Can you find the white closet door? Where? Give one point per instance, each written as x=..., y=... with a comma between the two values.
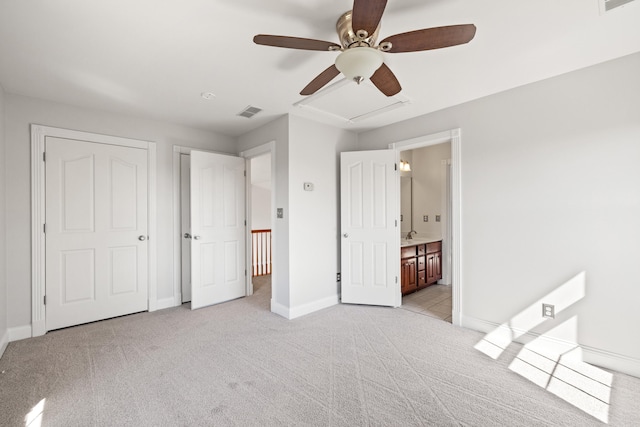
x=218, y=228
x=96, y=231
x=370, y=251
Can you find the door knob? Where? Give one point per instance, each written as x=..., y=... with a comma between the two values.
x=346, y=235
x=187, y=235
x=142, y=238
x=196, y=237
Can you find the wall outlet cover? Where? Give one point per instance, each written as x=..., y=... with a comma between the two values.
x=548, y=311
x=308, y=186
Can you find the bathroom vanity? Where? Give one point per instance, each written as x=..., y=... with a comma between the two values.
x=420, y=264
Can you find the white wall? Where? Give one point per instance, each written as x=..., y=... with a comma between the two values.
x=549, y=190
x=20, y=112
x=260, y=208
x=4, y=332
x=277, y=131
x=426, y=169
x=314, y=225
x=306, y=255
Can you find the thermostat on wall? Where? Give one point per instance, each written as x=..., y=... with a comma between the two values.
x=308, y=186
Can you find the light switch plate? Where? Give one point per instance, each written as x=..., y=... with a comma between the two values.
x=280, y=213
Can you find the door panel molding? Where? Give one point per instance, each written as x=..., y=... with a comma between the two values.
x=39, y=134
x=178, y=150
x=217, y=185
x=369, y=260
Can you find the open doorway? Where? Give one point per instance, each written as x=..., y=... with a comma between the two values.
x=425, y=218
x=260, y=197
x=451, y=255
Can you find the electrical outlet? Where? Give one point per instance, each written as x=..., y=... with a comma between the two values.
x=280, y=213
x=425, y=218
x=437, y=218
x=339, y=277
x=549, y=311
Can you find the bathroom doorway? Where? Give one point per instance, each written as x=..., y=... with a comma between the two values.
x=425, y=201
x=436, y=222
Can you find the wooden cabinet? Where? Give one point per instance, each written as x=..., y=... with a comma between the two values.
x=408, y=273
x=420, y=266
x=438, y=265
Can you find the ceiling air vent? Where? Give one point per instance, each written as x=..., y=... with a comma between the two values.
x=612, y=4
x=249, y=112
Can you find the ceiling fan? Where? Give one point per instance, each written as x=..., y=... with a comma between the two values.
x=360, y=57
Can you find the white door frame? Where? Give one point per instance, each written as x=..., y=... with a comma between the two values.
x=455, y=137
x=39, y=134
x=269, y=147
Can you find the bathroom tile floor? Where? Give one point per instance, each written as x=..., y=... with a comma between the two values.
x=434, y=301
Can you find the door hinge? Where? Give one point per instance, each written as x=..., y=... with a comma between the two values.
x=44, y=156
x=395, y=166
x=45, y=300
x=245, y=173
x=245, y=271
x=245, y=222
x=396, y=279
x=396, y=223
x=44, y=228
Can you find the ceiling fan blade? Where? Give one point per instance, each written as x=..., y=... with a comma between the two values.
x=323, y=78
x=293, y=42
x=386, y=81
x=366, y=14
x=431, y=38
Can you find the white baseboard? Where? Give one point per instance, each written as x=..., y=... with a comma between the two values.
x=302, y=310
x=161, y=304
x=613, y=361
x=4, y=342
x=19, y=333
x=309, y=308
x=594, y=356
x=279, y=309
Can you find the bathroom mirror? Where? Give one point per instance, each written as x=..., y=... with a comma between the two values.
x=406, y=204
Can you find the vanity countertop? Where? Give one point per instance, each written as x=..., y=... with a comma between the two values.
x=418, y=241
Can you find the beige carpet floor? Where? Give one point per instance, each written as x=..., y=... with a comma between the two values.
x=237, y=364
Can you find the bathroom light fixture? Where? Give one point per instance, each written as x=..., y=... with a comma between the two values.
x=359, y=63
x=405, y=166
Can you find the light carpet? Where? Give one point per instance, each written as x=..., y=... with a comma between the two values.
x=237, y=364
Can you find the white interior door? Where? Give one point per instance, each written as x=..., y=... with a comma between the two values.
x=96, y=231
x=370, y=249
x=217, y=228
x=185, y=226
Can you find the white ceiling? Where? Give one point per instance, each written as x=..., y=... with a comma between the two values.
x=153, y=58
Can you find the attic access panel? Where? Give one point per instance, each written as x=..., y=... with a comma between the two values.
x=352, y=102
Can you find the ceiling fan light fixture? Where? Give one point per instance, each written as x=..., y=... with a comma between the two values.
x=359, y=63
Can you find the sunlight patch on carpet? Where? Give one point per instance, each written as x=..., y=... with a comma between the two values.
x=34, y=417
